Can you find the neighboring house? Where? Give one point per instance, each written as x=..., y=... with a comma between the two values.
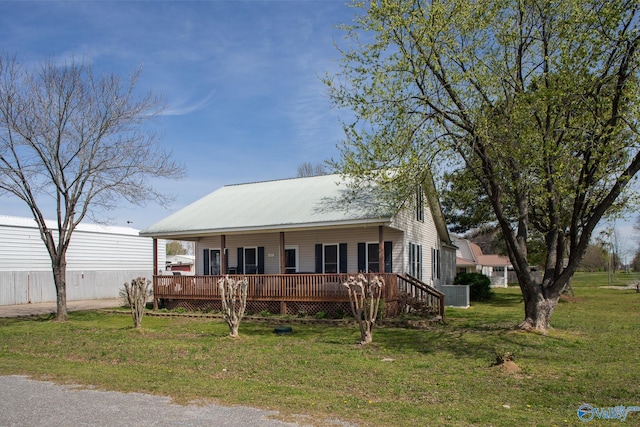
x=181, y=264
x=100, y=260
x=470, y=259
x=304, y=232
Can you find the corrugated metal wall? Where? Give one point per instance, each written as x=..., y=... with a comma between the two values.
x=23, y=287
x=98, y=264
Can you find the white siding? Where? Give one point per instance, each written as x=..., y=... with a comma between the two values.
x=418, y=232
x=99, y=260
x=305, y=241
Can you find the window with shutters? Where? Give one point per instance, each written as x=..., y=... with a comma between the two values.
x=373, y=260
x=415, y=260
x=331, y=259
x=435, y=263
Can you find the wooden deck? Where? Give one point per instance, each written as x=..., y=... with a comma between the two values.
x=323, y=289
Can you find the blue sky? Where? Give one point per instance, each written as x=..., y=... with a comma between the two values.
x=241, y=79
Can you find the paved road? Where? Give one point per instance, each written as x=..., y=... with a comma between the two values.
x=24, y=402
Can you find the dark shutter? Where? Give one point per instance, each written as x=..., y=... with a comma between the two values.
x=226, y=260
x=260, y=259
x=388, y=257
x=205, y=262
x=362, y=257
x=343, y=257
x=318, y=258
x=240, y=260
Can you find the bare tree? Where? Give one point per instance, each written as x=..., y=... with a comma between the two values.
x=307, y=169
x=233, y=294
x=79, y=142
x=364, y=296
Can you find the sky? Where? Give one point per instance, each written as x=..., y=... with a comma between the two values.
x=242, y=81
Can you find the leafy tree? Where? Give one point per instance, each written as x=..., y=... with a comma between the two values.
x=464, y=203
x=174, y=247
x=534, y=99
x=78, y=142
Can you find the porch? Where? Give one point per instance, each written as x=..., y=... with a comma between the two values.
x=290, y=293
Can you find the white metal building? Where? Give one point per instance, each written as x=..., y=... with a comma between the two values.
x=100, y=260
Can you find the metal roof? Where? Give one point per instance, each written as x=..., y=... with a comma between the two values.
x=23, y=222
x=283, y=204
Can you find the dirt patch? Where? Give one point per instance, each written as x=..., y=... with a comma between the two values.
x=509, y=367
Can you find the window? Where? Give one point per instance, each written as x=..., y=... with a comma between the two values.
x=369, y=257
x=291, y=260
x=435, y=263
x=250, y=260
x=419, y=204
x=373, y=260
x=415, y=260
x=214, y=263
x=331, y=258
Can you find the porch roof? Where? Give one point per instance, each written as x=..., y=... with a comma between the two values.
x=287, y=204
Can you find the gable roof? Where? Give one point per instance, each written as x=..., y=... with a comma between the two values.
x=470, y=254
x=288, y=204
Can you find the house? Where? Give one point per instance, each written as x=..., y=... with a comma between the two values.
x=181, y=264
x=100, y=259
x=470, y=259
x=298, y=239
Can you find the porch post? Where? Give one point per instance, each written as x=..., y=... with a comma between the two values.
x=381, y=248
x=283, y=264
x=283, y=268
x=223, y=256
x=155, y=271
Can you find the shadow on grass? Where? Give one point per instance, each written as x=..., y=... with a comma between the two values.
x=34, y=318
x=505, y=300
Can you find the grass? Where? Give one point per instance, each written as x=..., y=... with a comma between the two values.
x=441, y=376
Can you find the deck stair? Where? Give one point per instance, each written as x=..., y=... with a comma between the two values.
x=422, y=292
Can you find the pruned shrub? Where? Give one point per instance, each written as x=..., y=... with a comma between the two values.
x=233, y=294
x=479, y=285
x=364, y=296
x=135, y=295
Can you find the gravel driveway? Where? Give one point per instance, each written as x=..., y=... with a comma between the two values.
x=25, y=402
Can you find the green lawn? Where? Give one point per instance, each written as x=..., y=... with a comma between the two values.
x=441, y=376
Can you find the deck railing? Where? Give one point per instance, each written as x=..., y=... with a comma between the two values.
x=268, y=287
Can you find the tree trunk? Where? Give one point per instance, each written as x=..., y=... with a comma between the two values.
x=233, y=330
x=60, y=280
x=365, y=333
x=538, y=308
